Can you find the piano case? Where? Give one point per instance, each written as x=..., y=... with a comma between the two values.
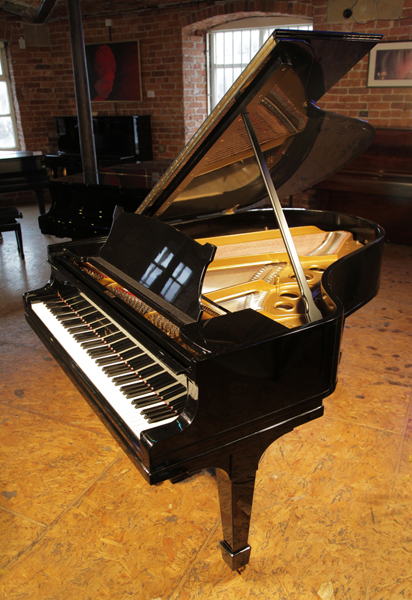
x=203, y=329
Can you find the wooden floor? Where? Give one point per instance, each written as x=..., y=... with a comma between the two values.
x=333, y=507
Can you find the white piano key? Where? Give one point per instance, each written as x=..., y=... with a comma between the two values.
x=131, y=416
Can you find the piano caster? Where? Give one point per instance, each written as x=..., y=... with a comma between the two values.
x=237, y=561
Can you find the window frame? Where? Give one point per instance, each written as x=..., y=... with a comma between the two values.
x=5, y=76
x=264, y=26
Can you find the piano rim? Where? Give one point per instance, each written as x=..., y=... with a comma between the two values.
x=118, y=428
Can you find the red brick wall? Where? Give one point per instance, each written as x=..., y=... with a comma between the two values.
x=43, y=77
x=380, y=106
x=173, y=66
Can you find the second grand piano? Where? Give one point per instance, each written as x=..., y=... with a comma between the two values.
x=199, y=331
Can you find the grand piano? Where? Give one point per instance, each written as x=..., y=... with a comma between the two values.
x=124, y=159
x=200, y=331
x=22, y=170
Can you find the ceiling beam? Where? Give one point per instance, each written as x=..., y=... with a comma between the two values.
x=44, y=11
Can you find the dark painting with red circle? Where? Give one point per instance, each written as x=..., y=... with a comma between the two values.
x=114, y=72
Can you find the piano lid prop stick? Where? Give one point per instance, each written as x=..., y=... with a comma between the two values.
x=311, y=310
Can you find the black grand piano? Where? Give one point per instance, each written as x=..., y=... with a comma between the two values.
x=199, y=331
x=124, y=158
x=22, y=170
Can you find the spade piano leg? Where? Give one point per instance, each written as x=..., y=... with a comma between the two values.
x=235, y=497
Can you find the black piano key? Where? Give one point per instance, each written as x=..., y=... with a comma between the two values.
x=131, y=364
x=93, y=343
x=127, y=386
x=132, y=353
x=135, y=390
x=93, y=317
x=119, y=368
x=159, y=411
x=178, y=403
x=79, y=303
x=116, y=367
x=86, y=312
x=135, y=393
x=76, y=307
x=160, y=381
x=75, y=326
x=72, y=300
x=167, y=407
x=104, y=329
x=122, y=345
x=108, y=360
x=100, y=351
x=139, y=362
x=72, y=322
x=146, y=401
x=161, y=417
x=113, y=337
x=103, y=345
x=54, y=301
x=85, y=336
x=124, y=356
x=121, y=359
x=125, y=378
x=149, y=371
x=172, y=391
x=61, y=312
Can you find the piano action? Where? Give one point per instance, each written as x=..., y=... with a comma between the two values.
x=190, y=329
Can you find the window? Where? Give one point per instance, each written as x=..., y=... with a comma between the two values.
x=232, y=50
x=8, y=137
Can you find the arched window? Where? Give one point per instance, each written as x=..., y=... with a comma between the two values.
x=233, y=45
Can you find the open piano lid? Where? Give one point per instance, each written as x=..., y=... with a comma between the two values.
x=217, y=171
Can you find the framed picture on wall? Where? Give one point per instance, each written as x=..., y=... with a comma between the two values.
x=390, y=65
x=114, y=72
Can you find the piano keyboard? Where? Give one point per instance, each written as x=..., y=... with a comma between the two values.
x=142, y=391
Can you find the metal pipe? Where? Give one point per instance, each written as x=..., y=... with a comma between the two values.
x=84, y=111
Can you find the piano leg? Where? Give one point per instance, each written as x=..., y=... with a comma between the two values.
x=235, y=498
x=40, y=200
